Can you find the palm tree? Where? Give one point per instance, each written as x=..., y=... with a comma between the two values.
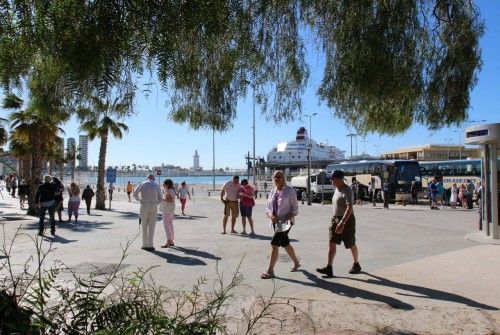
x=3, y=132
x=99, y=121
x=34, y=131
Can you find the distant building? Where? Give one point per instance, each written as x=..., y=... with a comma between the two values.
x=83, y=147
x=70, y=145
x=433, y=152
x=61, y=145
x=196, y=161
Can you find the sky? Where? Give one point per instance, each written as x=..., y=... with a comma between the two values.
x=153, y=139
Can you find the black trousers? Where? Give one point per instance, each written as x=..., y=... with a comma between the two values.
x=87, y=202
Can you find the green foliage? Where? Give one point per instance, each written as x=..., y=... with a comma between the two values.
x=403, y=61
x=117, y=303
x=99, y=119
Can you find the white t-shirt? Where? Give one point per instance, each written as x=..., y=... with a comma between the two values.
x=183, y=192
x=231, y=190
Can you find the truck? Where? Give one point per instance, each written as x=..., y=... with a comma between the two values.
x=321, y=187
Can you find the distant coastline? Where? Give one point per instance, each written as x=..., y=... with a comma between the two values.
x=84, y=178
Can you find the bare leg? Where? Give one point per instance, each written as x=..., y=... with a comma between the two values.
x=291, y=252
x=354, y=251
x=233, y=222
x=224, y=223
x=332, y=250
x=244, y=223
x=274, y=259
x=250, y=221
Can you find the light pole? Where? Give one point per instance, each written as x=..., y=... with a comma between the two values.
x=351, y=135
x=309, y=147
x=378, y=146
x=364, y=141
x=253, y=130
x=448, y=148
x=213, y=158
x=459, y=133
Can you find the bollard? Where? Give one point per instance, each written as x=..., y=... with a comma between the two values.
x=208, y=193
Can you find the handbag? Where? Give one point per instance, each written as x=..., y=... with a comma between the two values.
x=166, y=207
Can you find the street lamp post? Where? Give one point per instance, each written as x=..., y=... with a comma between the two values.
x=309, y=147
x=364, y=141
x=213, y=158
x=253, y=130
x=448, y=148
x=351, y=135
x=459, y=133
x=377, y=146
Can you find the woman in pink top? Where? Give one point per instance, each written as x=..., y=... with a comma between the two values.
x=282, y=207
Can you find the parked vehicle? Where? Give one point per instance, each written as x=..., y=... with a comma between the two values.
x=321, y=188
x=397, y=174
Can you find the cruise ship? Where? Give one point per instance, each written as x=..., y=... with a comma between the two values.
x=295, y=152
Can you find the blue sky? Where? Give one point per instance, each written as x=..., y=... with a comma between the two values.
x=153, y=139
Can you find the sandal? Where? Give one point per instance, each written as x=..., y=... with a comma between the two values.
x=166, y=245
x=267, y=275
x=295, y=267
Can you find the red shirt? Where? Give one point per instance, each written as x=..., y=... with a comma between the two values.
x=245, y=201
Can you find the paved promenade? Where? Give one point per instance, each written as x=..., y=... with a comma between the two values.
x=424, y=271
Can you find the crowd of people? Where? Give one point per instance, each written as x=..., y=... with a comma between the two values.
x=455, y=196
x=238, y=200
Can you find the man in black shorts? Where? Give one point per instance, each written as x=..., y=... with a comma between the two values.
x=343, y=225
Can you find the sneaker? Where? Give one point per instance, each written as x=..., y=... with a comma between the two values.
x=356, y=268
x=327, y=271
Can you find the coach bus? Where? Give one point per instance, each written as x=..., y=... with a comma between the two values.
x=398, y=174
x=450, y=171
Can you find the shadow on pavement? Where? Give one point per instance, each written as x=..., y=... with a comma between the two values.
x=189, y=217
x=423, y=292
x=58, y=239
x=197, y=253
x=176, y=259
x=348, y=291
x=80, y=226
x=260, y=237
x=403, y=209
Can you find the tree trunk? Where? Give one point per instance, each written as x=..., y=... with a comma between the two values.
x=61, y=172
x=72, y=170
x=100, y=199
x=26, y=168
x=34, y=181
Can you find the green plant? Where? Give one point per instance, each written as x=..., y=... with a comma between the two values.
x=36, y=300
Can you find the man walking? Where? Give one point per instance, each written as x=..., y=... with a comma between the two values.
x=45, y=199
x=470, y=192
x=87, y=195
x=229, y=196
x=343, y=226
x=150, y=197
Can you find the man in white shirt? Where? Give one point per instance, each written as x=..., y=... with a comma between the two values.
x=150, y=198
x=229, y=196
